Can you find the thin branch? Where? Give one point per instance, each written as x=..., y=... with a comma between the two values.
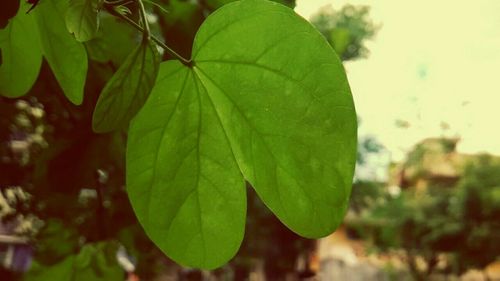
x=116, y=2
x=156, y=40
x=156, y=5
x=144, y=17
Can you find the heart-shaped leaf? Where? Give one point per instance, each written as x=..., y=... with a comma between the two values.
x=21, y=55
x=266, y=101
x=66, y=57
x=82, y=18
x=183, y=179
x=128, y=89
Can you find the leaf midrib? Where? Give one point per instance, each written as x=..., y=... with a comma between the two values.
x=276, y=160
x=157, y=158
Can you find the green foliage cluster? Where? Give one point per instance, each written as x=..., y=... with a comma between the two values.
x=93, y=262
x=346, y=29
x=460, y=222
x=245, y=107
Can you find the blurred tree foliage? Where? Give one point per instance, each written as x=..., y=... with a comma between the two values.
x=346, y=29
x=73, y=179
x=459, y=222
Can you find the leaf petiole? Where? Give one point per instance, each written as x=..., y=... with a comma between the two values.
x=146, y=32
x=116, y=2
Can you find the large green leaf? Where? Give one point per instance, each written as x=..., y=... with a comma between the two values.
x=21, y=55
x=127, y=90
x=266, y=101
x=82, y=18
x=66, y=57
x=182, y=178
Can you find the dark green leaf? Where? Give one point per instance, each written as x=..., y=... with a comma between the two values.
x=62, y=271
x=21, y=55
x=114, y=41
x=269, y=105
x=97, y=262
x=66, y=57
x=127, y=90
x=94, y=262
x=56, y=241
x=82, y=18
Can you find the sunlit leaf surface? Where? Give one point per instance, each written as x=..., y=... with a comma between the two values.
x=266, y=101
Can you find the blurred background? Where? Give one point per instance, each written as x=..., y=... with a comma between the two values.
x=425, y=203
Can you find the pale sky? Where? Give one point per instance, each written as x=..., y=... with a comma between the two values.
x=431, y=62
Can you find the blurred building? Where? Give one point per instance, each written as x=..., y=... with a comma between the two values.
x=15, y=251
x=432, y=162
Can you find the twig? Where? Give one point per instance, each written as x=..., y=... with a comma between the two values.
x=156, y=40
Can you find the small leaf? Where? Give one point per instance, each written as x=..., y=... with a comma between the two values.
x=268, y=105
x=122, y=10
x=66, y=57
x=21, y=55
x=82, y=18
x=127, y=90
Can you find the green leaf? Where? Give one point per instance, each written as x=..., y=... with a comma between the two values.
x=62, y=271
x=122, y=10
x=97, y=262
x=66, y=57
x=56, y=241
x=268, y=105
x=21, y=55
x=82, y=18
x=94, y=262
x=127, y=90
x=112, y=33
x=182, y=178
